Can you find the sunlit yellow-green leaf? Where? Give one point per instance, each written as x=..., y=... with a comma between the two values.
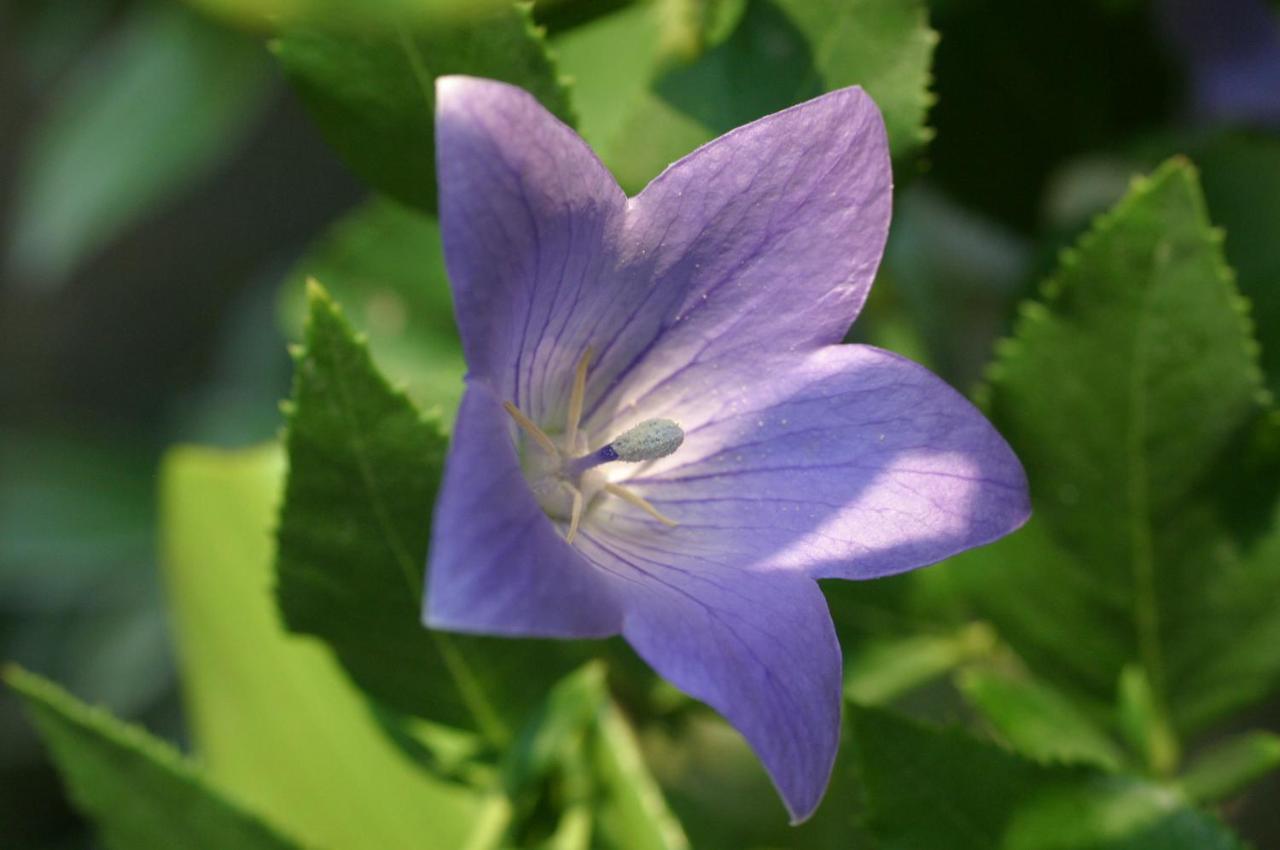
x=276, y=722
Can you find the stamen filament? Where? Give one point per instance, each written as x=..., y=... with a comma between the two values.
x=640, y=502
x=532, y=430
x=575, y=516
x=576, y=399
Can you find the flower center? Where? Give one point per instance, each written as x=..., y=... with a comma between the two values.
x=564, y=476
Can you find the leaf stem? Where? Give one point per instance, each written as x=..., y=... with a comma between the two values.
x=491, y=823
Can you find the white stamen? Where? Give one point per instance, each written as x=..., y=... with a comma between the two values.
x=640, y=502
x=575, y=401
x=532, y=430
x=575, y=516
x=650, y=440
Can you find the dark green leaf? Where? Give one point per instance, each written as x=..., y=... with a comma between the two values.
x=1237, y=659
x=578, y=757
x=190, y=90
x=1144, y=722
x=943, y=790
x=274, y=719
x=372, y=92
x=384, y=263
x=364, y=466
x=1241, y=176
x=137, y=789
x=884, y=669
x=1037, y=720
x=1130, y=393
x=1230, y=766
x=646, y=104
x=1242, y=186
x=1145, y=318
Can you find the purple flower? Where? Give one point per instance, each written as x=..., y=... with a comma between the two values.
x=1232, y=50
x=661, y=436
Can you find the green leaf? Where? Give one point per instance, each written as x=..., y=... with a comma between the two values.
x=560, y=722
x=1238, y=660
x=372, y=92
x=577, y=757
x=275, y=721
x=1231, y=766
x=645, y=104
x=1037, y=720
x=630, y=808
x=611, y=61
x=885, y=669
x=1143, y=721
x=384, y=263
x=1145, y=315
x=548, y=749
x=1130, y=394
x=136, y=788
x=270, y=15
x=943, y=789
x=1242, y=187
x=191, y=90
x=364, y=466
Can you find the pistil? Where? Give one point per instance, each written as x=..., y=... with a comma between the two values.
x=649, y=440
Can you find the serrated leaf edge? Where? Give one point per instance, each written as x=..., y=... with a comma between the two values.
x=563, y=82
x=1036, y=309
x=41, y=694
x=321, y=306
x=958, y=733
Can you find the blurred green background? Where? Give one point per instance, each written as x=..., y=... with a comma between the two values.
x=159, y=183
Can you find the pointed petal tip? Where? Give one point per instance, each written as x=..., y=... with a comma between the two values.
x=432, y=618
x=802, y=806
x=758, y=647
x=802, y=799
x=1022, y=514
x=455, y=90
x=438, y=619
x=452, y=90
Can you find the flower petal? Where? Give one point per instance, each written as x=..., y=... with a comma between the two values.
x=1233, y=51
x=758, y=647
x=497, y=564
x=848, y=462
x=525, y=213
x=767, y=238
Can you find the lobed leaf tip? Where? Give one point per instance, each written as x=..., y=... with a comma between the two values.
x=316, y=292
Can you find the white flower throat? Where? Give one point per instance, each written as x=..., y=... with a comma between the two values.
x=564, y=477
